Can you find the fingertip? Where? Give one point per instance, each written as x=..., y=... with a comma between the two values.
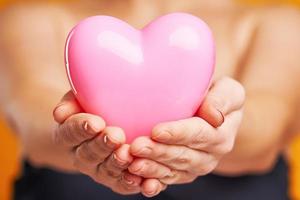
x=131, y=179
x=211, y=114
x=138, y=144
x=59, y=113
x=65, y=109
x=122, y=154
x=96, y=123
x=157, y=130
x=163, y=132
x=115, y=134
x=150, y=187
x=135, y=166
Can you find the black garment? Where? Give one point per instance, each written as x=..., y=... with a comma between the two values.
x=45, y=184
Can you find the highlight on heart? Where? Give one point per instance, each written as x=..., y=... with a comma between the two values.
x=138, y=99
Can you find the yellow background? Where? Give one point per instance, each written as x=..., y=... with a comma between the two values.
x=9, y=148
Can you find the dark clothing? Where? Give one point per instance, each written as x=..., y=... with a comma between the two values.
x=46, y=184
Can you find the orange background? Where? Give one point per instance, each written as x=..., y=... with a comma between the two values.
x=9, y=147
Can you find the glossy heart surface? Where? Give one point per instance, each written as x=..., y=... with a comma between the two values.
x=135, y=79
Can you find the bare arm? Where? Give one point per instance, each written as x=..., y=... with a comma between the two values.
x=32, y=78
x=272, y=83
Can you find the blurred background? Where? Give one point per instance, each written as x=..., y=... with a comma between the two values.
x=10, y=148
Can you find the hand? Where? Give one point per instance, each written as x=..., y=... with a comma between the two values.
x=180, y=151
x=95, y=150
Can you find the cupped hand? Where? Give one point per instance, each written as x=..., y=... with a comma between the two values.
x=180, y=151
x=97, y=151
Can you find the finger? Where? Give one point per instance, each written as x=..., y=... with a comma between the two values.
x=78, y=128
x=193, y=132
x=229, y=130
x=95, y=151
x=68, y=106
x=117, y=162
x=226, y=95
x=129, y=183
x=173, y=156
x=149, y=169
x=179, y=177
x=114, y=170
x=152, y=187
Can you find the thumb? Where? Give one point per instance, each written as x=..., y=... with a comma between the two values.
x=226, y=95
x=66, y=107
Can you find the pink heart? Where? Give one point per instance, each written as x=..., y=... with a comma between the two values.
x=135, y=79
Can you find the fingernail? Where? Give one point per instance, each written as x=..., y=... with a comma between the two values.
x=144, y=151
x=162, y=136
x=119, y=161
x=128, y=181
x=223, y=117
x=136, y=168
x=109, y=142
x=88, y=128
x=152, y=192
x=170, y=174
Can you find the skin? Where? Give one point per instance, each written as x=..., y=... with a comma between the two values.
x=258, y=48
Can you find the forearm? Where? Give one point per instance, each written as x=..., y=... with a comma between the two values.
x=30, y=109
x=262, y=136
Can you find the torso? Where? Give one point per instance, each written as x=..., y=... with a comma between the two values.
x=233, y=28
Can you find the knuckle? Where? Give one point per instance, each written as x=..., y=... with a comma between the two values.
x=109, y=171
x=183, y=159
x=68, y=131
x=205, y=169
x=142, y=170
x=76, y=131
x=84, y=153
x=171, y=131
x=173, y=135
x=203, y=165
x=102, y=148
x=112, y=173
x=216, y=101
x=169, y=180
x=180, y=177
x=163, y=155
x=189, y=179
x=201, y=138
x=225, y=148
x=123, y=188
x=73, y=123
x=240, y=91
